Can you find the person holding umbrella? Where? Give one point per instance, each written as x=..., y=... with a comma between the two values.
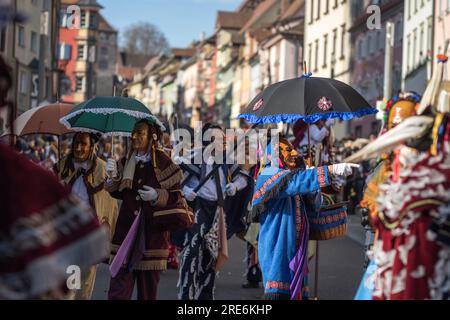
x=85, y=174
x=283, y=194
x=148, y=183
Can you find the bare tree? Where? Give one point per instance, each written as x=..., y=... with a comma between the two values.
x=144, y=38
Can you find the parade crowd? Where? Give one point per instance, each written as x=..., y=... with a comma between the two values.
x=87, y=198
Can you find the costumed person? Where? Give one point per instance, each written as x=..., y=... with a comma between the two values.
x=44, y=230
x=204, y=247
x=411, y=202
x=148, y=183
x=397, y=110
x=85, y=174
x=281, y=195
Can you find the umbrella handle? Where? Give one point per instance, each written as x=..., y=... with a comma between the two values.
x=112, y=146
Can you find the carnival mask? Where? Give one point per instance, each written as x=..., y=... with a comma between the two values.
x=400, y=111
x=288, y=155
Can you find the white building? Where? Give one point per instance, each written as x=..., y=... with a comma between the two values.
x=327, y=47
x=327, y=41
x=418, y=45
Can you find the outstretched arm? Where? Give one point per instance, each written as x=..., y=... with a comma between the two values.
x=308, y=181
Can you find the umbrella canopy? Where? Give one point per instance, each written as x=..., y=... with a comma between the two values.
x=109, y=115
x=308, y=98
x=42, y=120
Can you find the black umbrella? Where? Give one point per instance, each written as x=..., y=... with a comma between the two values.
x=308, y=98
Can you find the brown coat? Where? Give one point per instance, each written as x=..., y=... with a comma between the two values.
x=159, y=219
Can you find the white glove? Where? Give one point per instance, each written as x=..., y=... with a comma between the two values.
x=231, y=189
x=189, y=194
x=111, y=168
x=344, y=169
x=148, y=194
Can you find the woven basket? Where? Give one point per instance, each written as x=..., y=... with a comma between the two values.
x=330, y=223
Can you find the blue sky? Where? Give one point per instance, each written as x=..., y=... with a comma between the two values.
x=180, y=20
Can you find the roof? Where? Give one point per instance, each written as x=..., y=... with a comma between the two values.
x=249, y=5
x=83, y=3
x=104, y=25
x=231, y=20
x=183, y=52
x=293, y=9
x=259, y=12
x=134, y=60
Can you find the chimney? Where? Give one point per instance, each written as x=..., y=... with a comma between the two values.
x=202, y=36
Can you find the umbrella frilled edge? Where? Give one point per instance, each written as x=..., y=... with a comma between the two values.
x=105, y=111
x=291, y=118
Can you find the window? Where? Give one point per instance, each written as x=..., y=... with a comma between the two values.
x=360, y=49
x=358, y=131
x=81, y=52
x=327, y=7
x=80, y=84
x=23, y=82
x=421, y=40
x=333, y=49
x=414, y=49
x=316, y=56
x=104, y=51
x=325, y=50
x=430, y=35
x=343, y=34
x=64, y=51
x=33, y=42
x=309, y=66
x=398, y=31
x=21, y=36
x=318, y=10
x=103, y=65
x=335, y=4
x=2, y=39
x=92, y=20
x=408, y=58
x=378, y=41
x=311, y=11
x=83, y=19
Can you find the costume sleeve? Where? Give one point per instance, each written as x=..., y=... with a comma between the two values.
x=308, y=181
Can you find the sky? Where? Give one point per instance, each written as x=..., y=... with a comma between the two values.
x=181, y=21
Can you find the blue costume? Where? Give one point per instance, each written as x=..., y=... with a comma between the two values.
x=280, y=203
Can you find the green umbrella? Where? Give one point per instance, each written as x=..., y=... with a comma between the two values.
x=109, y=116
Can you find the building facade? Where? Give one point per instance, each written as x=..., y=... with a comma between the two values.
x=368, y=57
x=84, y=38
x=442, y=32
x=418, y=45
x=327, y=45
x=106, y=58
